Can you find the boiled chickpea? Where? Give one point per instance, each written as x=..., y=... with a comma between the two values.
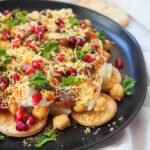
x=13, y=108
x=40, y=112
x=61, y=122
x=117, y=92
x=106, y=55
x=79, y=107
x=107, y=45
x=100, y=104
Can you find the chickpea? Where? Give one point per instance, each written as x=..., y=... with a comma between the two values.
x=100, y=104
x=88, y=23
x=13, y=108
x=117, y=92
x=79, y=107
x=106, y=55
x=61, y=122
x=107, y=45
x=40, y=112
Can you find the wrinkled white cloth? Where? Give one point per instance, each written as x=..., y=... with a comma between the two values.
x=137, y=135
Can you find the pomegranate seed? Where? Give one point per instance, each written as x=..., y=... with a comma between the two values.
x=44, y=28
x=40, y=35
x=79, y=42
x=72, y=71
x=16, y=43
x=83, y=24
x=27, y=69
x=37, y=63
x=36, y=98
x=31, y=44
x=30, y=120
x=6, y=35
x=30, y=28
x=59, y=22
x=60, y=57
x=39, y=23
x=5, y=81
x=88, y=58
x=6, y=12
x=72, y=40
x=95, y=46
x=21, y=126
x=3, y=105
x=19, y=36
x=119, y=63
x=16, y=77
x=44, y=12
x=37, y=29
x=58, y=72
x=20, y=114
x=58, y=30
x=16, y=119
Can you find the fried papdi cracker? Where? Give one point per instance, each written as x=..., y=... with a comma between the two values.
x=93, y=118
x=8, y=126
x=115, y=78
x=110, y=10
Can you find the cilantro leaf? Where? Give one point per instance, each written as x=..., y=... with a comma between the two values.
x=2, y=137
x=86, y=47
x=80, y=54
x=38, y=79
x=17, y=10
x=24, y=12
x=49, y=136
x=4, y=57
x=11, y=22
x=24, y=21
x=100, y=34
x=68, y=81
x=50, y=46
x=127, y=84
x=74, y=21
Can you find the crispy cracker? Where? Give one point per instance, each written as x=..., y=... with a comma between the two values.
x=115, y=78
x=110, y=10
x=93, y=118
x=8, y=126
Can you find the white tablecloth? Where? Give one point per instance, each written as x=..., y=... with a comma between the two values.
x=137, y=135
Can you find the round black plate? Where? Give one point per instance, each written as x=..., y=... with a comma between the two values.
x=126, y=48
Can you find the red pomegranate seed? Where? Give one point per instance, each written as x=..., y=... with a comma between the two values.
x=36, y=98
x=6, y=12
x=72, y=71
x=58, y=30
x=60, y=57
x=30, y=28
x=20, y=114
x=30, y=121
x=37, y=63
x=39, y=23
x=88, y=58
x=6, y=35
x=16, y=44
x=44, y=28
x=37, y=29
x=44, y=12
x=59, y=22
x=79, y=42
x=58, y=72
x=83, y=24
x=40, y=35
x=27, y=69
x=21, y=126
x=72, y=40
x=19, y=36
x=31, y=44
x=3, y=106
x=95, y=46
x=119, y=63
x=5, y=81
x=16, y=77
x=16, y=119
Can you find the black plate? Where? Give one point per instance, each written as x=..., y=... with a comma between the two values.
x=126, y=48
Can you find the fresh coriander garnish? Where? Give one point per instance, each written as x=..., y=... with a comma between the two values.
x=74, y=21
x=50, y=46
x=4, y=57
x=100, y=34
x=38, y=79
x=80, y=54
x=127, y=84
x=48, y=136
x=2, y=137
x=68, y=81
